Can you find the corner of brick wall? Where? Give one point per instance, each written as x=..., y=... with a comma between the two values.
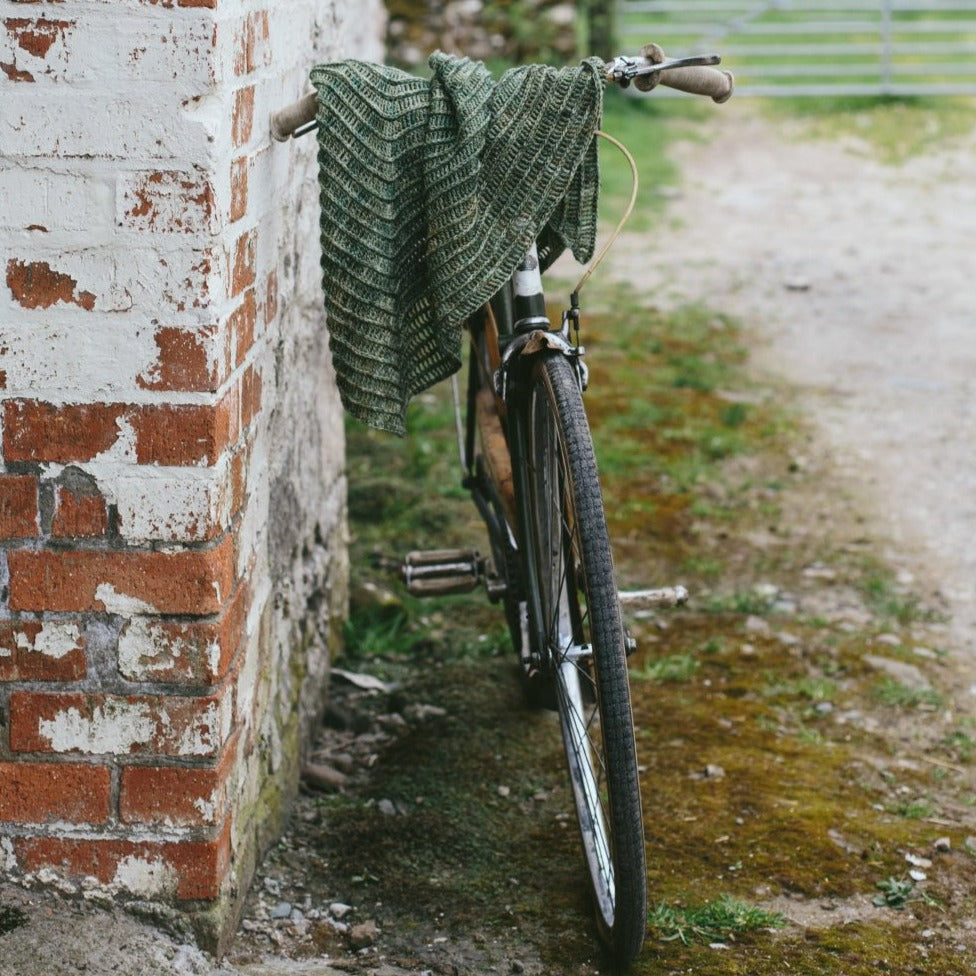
x=172, y=552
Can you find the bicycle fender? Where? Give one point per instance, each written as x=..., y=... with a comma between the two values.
x=531, y=344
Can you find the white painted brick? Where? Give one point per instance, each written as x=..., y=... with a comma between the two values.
x=166, y=202
x=162, y=283
x=143, y=124
x=51, y=199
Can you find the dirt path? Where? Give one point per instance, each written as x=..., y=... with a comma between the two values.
x=857, y=278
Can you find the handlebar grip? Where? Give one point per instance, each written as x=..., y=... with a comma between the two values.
x=294, y=116
x=718, y=85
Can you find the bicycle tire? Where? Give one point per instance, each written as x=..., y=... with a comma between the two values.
x=570, y=559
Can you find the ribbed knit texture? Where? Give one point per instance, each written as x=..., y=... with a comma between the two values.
x=431, y=193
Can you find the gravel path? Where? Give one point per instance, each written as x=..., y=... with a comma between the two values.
x=857, y=279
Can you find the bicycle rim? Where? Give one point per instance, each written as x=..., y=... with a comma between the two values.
x=584, y=647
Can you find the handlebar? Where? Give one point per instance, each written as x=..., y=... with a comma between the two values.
x=693, y=75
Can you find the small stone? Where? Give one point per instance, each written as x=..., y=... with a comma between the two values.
x=902, y=671
x=797, y=284
x=714, y=771
x=281, y=910
x=943, y=845
x=387, y=808
x=364, y=934
x=319, y=776
x=916, y=875
x=339, y=909
x=504, y=791
x=756, y=625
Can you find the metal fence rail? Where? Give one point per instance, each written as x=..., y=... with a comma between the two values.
x=818, y=47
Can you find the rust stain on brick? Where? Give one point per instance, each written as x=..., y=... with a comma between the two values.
x=36, y=284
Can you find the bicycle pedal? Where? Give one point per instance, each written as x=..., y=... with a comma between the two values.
x=442, y=572
x=664, y=598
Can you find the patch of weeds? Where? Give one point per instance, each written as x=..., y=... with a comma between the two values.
x=714, y=645
x=714, y=921
x=912, y=809
x=752, y=602
x=369, y=634
x=810, y=737
x=885, y=599
x=674, y=667
x=897, y=893
x=962, y=745
x=892, y=692
x=11, y=918
x=813, y=689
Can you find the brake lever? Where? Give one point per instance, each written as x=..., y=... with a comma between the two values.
x=625, y=68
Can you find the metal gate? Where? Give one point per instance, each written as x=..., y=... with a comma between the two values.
x=818, y=47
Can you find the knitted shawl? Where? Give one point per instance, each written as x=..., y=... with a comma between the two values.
x=432, y=190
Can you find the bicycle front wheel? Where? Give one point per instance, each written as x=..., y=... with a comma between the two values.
x=579, y=623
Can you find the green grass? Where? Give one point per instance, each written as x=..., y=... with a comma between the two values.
x=645, y=125
x=891, y=692
x=714, y=921
x=674, y=667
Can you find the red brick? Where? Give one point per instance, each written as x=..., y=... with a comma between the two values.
x=243, y=263
x=184, y=361
x=36, y=36
x=243, y=118
x=37, y=285
x=183, y=652
x=238, y=188
x=36, y=431
x=250, y=396
x=241, y=324
x=35, y=651
x=156, y=725
x=197, y=866
x=13, y=73
x=50, y=792
x=209, y=4
x=176, y=796
x=79, y=514
x=193, y=581
x=240, y=464
x=18, y=507
x=184, y=434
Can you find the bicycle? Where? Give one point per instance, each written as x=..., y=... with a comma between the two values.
x=528, y=461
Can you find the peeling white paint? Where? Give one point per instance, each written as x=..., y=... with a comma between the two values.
x=120, y=603
x=146, y=649
x=146, y=878
x=8, y=860
x=115, y=729
x=53, y=640
x=207, y=808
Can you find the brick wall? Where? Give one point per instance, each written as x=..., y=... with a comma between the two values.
x=172, y=568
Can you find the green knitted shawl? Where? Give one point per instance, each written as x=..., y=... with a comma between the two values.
x=431, y=193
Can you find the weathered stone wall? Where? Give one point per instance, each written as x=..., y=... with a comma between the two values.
x=516, y=30
x=172, y=565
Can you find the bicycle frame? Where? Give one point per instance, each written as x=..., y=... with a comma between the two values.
x=516, y=327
